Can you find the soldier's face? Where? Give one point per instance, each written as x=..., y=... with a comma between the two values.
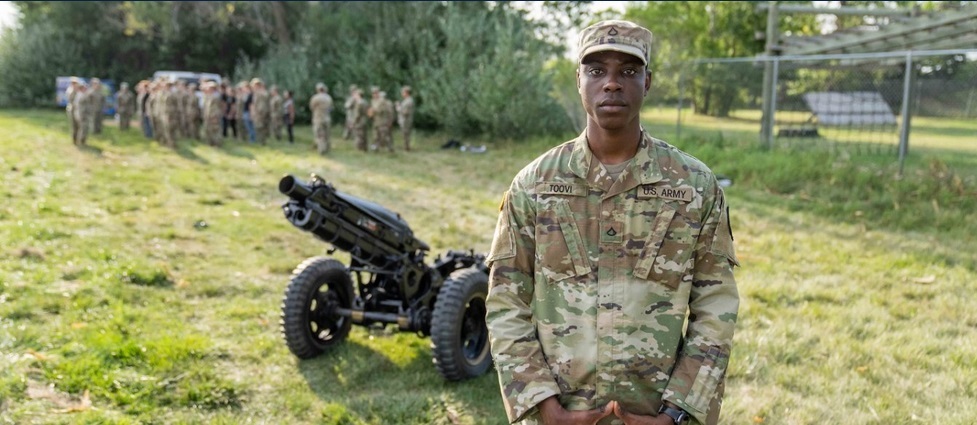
x=612, y=87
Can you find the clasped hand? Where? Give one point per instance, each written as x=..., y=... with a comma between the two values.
x=554, y=414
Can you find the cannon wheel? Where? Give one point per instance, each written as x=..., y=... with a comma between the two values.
x=459, y=337
x=310, y=323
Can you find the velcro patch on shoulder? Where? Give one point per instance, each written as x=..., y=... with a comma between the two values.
x=561, y=188
x=680, y=193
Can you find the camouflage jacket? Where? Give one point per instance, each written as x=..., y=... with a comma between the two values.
x=124, y=101
x=275, y=105
x=383, y=114
x=213, y=109
x=261, y=107
x=321, y=107
x=592, y=280
x=405, y=112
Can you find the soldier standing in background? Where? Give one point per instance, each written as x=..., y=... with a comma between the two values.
x=383, y=122
x=230, y=118
x=243, y=106
x=321, y=107
x=348, y=107
x=183, y=130
x=80, y=111
x=124, y=104
x=142, y=105
x=371, y=110
x=288, y=114
x=405, y=114
x=171, y=114
x=260, y=110
x=359, y=114
x=213, y=114
x=69, y=94
x=193, y=111
x=97, y=99
x=275, y=113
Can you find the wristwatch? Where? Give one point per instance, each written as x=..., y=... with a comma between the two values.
x=678, y=416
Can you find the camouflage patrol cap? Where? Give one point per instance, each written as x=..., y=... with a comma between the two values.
x=320, y=86
x=75, y=80
x=124, y=85
x=256, y=80
x=619, y=36
x=374, y=89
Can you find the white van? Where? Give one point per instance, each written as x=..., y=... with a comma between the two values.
x=189, y=77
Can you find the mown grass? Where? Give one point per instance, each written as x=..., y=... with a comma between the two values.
x=142, y=285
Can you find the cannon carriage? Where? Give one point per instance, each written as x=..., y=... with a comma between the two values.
x=386, y=283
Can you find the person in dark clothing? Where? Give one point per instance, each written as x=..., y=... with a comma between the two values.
x=288, y=114
x=230, y=113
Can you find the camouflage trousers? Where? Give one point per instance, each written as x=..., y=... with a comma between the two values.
x=125, y=117
x=240, y=130
x=321, y=133
x=97, y=123
x=171, y=131
x=79, y=130
x=212, y=132
x=405, y=131
x=348, y=128
x=261, y=131
x=359, y=134
x=384, y=138
x=193, y=127
x=276, y=126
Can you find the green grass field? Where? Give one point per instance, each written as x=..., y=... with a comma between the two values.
x=140, y=284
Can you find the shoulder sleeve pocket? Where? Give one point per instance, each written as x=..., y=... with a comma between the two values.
x=503, y=243
x=722, y=242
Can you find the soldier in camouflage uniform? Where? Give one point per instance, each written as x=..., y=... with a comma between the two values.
x=171, y=122
x=180, y=93
x=383, y=122
x=405, y=114
x=73, y=89
x=242, y=93
x=275, y=111
x=80, y=113
x=124, y=104
x=97, y=99
x=348, y=128
x=260, y=110
x=359, y=115
x=191, y=107
x=213, y=111
x=321, y=106
x=605, y=245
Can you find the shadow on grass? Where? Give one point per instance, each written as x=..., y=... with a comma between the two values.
x=378, y=390
x=89, y=149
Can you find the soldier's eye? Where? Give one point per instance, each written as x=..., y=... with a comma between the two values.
x=595, y=72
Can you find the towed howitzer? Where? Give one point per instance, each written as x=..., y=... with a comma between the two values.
x=386, y=282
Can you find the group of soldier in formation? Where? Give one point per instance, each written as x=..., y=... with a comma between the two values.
x=171, y=110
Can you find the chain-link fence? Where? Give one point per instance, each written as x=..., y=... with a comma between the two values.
x=851, y=102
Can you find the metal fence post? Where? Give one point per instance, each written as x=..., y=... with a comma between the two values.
x=681, y=96
x=906, y=99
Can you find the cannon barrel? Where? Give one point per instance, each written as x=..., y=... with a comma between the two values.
x=371, y=233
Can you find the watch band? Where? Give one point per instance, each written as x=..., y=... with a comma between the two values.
x=678, y=416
